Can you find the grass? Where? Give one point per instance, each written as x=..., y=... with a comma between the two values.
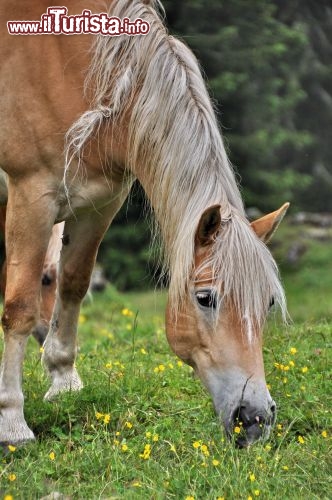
x=144, y=428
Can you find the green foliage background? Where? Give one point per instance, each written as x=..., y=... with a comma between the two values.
x=267, y=64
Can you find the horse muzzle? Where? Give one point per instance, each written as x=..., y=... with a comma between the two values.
x=250, y=424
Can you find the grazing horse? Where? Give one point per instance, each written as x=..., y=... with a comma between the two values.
x=125, y=108
x=48, y=280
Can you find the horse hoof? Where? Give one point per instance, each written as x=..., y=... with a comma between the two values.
x=14, y=432
x=67, y=382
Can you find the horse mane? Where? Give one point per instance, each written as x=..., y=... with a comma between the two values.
x=174, y=138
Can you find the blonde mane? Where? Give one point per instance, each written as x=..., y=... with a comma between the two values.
x=175, y=140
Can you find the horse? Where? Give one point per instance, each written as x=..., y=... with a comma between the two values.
x=48, y=280
x=88, y=115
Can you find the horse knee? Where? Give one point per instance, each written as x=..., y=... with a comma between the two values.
x=19, y=316
x=73, y=285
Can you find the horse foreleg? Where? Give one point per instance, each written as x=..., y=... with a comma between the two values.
x=49, y=283
x=80, y=245
x=30, y=216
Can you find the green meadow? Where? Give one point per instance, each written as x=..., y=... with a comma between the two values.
x=144, y=428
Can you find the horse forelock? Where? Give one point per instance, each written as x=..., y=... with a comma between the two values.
x=176, y=150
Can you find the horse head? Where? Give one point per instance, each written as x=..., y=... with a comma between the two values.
x=218, y=330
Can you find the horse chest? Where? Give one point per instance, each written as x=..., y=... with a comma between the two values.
x=84, y=196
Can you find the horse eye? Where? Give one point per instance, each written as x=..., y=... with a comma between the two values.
x=207, y=299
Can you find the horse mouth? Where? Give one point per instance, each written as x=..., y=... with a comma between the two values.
x=246, y=429
x=252, y=434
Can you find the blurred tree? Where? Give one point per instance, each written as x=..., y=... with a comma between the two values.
x=253, y=64
x=314, y=114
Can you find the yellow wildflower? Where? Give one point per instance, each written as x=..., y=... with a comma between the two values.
x=127, y=312
x=292, y=364
x=8, y=497
x=107, y=418
x=146, y=453
x=129, y=425
x=180, y=363
x=137, y=484
x=252, y=477
x=52, y=455
x=124, y=447
x=161, y=368
x=268, y=447
x=285, y=467
x=11, y=448
x=41, y=350
x=304, y=369
x=300, y=439
x=237, y=430
x=81, y=319
x=196, y=444
x=249, y=498
x=143, y=351
x=257, y=493
x=155, y=438
x=12, y=477
x=148, y=435
x=99, y=415
x=190, y=498
x=172, y=448
x=324, y=434
x=293, y=350
x=279, y=427
x=215, y=462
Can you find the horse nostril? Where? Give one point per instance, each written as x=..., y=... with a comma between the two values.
x=273, y=413
x=247, y=416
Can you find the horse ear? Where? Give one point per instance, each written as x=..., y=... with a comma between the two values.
x=266, y=226
x=209, y=226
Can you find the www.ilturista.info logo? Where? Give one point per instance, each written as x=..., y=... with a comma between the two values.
x=56, y=21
